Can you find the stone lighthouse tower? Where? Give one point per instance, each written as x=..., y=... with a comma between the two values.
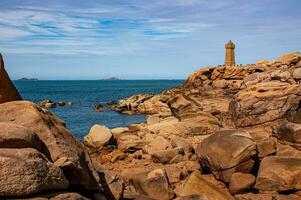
x=230, y=57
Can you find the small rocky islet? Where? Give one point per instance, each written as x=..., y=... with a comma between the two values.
x=227, y=133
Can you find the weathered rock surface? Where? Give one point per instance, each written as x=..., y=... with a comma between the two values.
x=196, y=185
x=290, y=133
x=154, y=184
x=264, y=102
x=279, y=174
x=241, y=182
x=230, y=118
x=16, y=136
x=25, y=171
x=59, y=196
x=227, y=152
x=8, y=91
x=142, y=103
x=98, y=136
x=111, y=184
x=61, y=146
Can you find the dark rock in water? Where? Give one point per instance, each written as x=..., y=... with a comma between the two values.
x=99, y=108
x=64, y=103
x=110, y=103
x=47, y=104
x=8, y=91
x=52, y=104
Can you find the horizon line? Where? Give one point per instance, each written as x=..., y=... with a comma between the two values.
x=161, y=79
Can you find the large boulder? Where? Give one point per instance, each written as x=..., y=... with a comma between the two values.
x=265, y=102
x=8, y=91
x=196, y=185
x=227, y=152
x=98, y=136
x=184, y=107
x=25, y=171
x=16, y=136
x=112, y=184
x=61, y=146
x=153, y=183
x=279, y=174
x=297, y=73
x=142, y=103
x=130, y=142
x=159, y=143
x=292, y=57
x=290, y=133
x=241, y=182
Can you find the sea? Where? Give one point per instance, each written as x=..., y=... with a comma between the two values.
x=81, y=116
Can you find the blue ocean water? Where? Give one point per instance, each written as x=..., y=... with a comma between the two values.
x=81, y=115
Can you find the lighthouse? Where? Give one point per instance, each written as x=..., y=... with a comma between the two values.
x=230, y=56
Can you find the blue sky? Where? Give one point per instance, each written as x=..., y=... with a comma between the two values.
x=141, y=39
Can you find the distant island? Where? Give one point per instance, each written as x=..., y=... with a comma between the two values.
x=28, y=79
x=111, y=79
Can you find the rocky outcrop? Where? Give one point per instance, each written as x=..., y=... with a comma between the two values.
x=227, y=152
x=237, y=126
x=142, y=103
x=279, y=174
x=60, y=145
x=289, y=133
x=8, y=91
x=265, y=102
x=38, y=154
x=228, y=132
x=154, y=184
x=16, y=136
x=25, y=171
x=241, y=182
x=52, y=104
x=197, y=186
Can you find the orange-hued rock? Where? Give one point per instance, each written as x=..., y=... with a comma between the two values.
x=241, y=182
x=17, y=136
x=264, y=102
x=227, y=152
x=293, y=57
x=278, y=173
x=25, y=171
x=233, y=124
x=195, y=184
x=154, y=184
x=61, y=147
x=8, y=91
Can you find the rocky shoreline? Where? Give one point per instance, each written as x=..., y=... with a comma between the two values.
x=227, y=133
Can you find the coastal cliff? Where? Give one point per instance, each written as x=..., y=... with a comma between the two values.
x=227, y=133
x=8, y=92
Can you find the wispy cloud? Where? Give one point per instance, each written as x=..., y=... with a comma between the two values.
x=101, y=27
